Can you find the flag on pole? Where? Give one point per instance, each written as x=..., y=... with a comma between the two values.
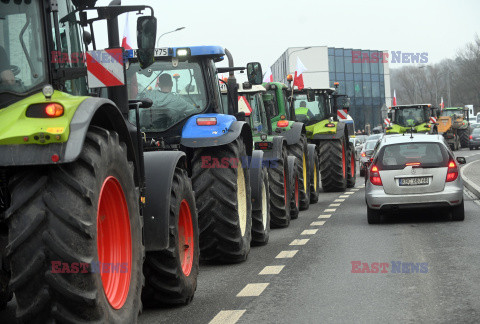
x=298, y=80
x=268, y=76
x=394, y=99
x=442, y=105
x=127, y=40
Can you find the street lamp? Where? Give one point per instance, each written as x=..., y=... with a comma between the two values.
x=172, y=31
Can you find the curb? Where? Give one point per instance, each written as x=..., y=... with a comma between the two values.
x=475, y=189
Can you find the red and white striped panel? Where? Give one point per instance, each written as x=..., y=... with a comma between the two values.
x=433, y=120
x=387, y=121
x=105, y=68
x=342, y=114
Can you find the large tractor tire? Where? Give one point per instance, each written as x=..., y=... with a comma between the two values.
x=261, y=217
x=171, y=274
x=299, y=151
x=351, y=166
x=75, y=237
x=314, y=178
x=295, y=187
x=464, y=134
x=223, y=196
x=333, y=164
x=279, y=191
x=5, y=294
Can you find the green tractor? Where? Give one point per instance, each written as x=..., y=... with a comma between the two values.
x=458, y=121
x=88, y=218
x=317, y=108
x=405, y=118
x=283, y=124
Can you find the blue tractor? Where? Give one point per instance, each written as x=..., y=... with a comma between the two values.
x=187, y=115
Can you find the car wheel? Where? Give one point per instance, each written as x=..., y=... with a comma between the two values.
x=458, y=212
x=373, y=216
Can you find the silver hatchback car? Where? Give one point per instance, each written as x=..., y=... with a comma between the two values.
x=414, y=171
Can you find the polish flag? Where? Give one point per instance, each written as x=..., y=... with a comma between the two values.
x=298, y=81
x=442, y=105
x=127, y=40
x=268, y=76
x=394, y=99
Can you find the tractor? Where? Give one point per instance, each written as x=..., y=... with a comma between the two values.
x=412, y=118
x=454, y=124
x=317, y=109
x=87, y=216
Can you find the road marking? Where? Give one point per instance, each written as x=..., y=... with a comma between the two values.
x=334, y=205
x=324, y=216
x=355, y=189
x=227, y=316
x=286, y=254
x=299, y=242
x=309, y=232
x=319, y=223
x=344, y=196
x=329, y=210
x=349, y=192
x=271, y=270
x=253, y=290
x=339, y=200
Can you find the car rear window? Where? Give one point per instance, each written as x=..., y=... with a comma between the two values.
x=425, y=155
x=476, y=131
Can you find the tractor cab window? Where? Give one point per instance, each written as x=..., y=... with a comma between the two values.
x=259, y=120
x=177, y=92
x=310, y=112
x=451, y=112
x=410, y=116
x=23, y=59
x=270, y=102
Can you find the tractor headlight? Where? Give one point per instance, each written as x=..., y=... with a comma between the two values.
x=182, y=52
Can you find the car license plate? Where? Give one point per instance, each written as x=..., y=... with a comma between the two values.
x=413, y=181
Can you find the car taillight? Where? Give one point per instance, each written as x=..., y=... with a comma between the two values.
x=452, y=173
x=206, y=121
x=375, y=176
x=363, y=154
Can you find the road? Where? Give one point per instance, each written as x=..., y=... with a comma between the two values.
x=304, y=274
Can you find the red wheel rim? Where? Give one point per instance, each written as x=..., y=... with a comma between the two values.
x=285, y=188
x=186, y=244
x=343, y=161
x=296, y=192
x=114, y=242
x=352, y=165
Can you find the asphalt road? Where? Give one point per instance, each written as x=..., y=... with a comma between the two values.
x=305, y=273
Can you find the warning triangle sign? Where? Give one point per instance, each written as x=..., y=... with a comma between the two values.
x=244, y=106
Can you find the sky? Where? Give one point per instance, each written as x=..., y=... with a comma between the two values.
x=262, y=30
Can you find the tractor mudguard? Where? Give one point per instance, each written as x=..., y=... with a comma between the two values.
x=340, y=131
x=276, y=152
x=256, y=179
x=293, y=135
x=224, y=132
x=159, y=170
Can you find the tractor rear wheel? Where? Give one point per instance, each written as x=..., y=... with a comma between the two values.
x=299, y=151
x=261, y=217
x=171, y=274
x=351, y=167
x=314, y=179
x=464, y=137
x=279, y=191
x=221, y=181
x=75, y=237
x=333, y=164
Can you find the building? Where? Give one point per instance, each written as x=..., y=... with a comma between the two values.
x=367, y=83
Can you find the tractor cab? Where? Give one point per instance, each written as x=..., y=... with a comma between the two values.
x=312, y=105
x=407, y=117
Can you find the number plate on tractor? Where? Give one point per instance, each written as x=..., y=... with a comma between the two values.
x=413, y=181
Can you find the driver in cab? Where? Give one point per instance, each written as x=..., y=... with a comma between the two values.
x=166, y=99
x=6, y=74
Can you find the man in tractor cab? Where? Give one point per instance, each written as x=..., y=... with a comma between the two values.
x=166, y=99
x=6, y=74
x=302, y=113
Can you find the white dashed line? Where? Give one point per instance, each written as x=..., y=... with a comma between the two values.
x=329, y=210
x=319, y=223
x=252, y=290
x=271, y=270
x=286, y=254
x=309, y=232
x=324, y=216
x=349, y=192
x=344, y=196
x=334, y=205
x=227, y=316
x=355, y=189
x=299, y=242
x=339, y=200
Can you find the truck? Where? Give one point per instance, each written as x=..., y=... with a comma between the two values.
x=318, y=110
x=88, y=217
x=454, y=125
x=419, y=118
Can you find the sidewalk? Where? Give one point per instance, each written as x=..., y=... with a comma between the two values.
x=471, y=177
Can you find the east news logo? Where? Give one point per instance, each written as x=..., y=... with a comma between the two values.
x=389, y=267
x=396, y=57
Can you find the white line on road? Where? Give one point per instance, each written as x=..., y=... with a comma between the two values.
x=227, y=316
x=286, y=254
x=299, y=242
x=333, y=205
x=339, y=200
x=329, y=210
x=344, y=196
x=324, y=216
x=271, y=270
x=355, y=189
x=319, y=223
x=253, y=290
x=309, y=232
x=349, y=192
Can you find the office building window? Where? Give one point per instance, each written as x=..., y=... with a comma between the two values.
x=331, y=63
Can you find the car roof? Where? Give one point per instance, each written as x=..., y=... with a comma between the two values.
x=409, y=138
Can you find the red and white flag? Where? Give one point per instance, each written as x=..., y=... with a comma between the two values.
x=127, y=39
x=268, y=76
x=394, y=99
x=298, y=81
x=442, y=105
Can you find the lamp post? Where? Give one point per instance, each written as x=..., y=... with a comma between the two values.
x=172, y=31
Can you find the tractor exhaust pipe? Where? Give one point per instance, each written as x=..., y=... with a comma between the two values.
x=232, y=87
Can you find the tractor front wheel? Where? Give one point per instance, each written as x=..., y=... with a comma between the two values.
x=279, y=191
x=299, y=151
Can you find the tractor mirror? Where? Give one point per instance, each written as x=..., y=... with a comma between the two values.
x=254, y=73
x=146, y=36
x=389, y=115
x=310, y=95
x=346, y=103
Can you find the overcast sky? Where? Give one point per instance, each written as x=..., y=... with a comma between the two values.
x=262, y=30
